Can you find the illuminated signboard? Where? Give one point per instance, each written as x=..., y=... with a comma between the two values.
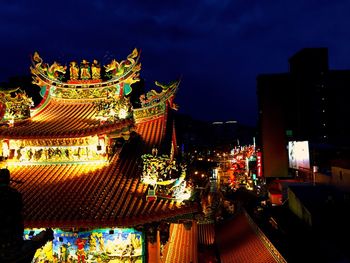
x=298, y=153
x=259, y=164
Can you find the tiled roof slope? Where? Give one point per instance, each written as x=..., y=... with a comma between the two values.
x=182, y=244
x=239, y=243
x=60, y=119
x=206, y=234
x=86, y=195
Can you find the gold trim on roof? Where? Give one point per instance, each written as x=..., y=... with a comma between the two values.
x=15, y=104
x=87, y=75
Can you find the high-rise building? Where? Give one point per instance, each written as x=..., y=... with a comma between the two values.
x=307, y=103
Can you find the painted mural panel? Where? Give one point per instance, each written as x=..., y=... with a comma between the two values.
x=98, y=245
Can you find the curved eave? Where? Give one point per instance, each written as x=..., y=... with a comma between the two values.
x=103, y=129
x=118, y=222
x=45, y=100
x=62, y=119
x=165, y=98
x=83, y=195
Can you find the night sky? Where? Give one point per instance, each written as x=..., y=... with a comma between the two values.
x=217, y=47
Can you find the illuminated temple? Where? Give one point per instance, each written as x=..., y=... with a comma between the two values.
x=99, y=171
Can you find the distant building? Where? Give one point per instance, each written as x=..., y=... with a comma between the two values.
x=319, y=205
x=277, y=190
x=341, y=174
x=225, y=134
x=323, y=213
x=219, y=135
x=308, y=103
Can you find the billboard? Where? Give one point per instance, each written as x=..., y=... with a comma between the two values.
x=98, y=245
x=259, y=164
x=298, y=154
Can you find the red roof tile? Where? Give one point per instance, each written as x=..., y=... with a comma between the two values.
x=182, y=244
x=238, y=242
x=90, y=195
x=206, y=234
x=60, y=119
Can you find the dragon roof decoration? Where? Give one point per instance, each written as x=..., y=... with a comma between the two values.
x=14, y=105
x=87, y=80
x=155, y=104
x=167, y=93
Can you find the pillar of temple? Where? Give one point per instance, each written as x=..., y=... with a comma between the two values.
x=154, y=250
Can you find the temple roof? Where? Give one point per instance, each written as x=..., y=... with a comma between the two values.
x=239, y=242
x=87, y=74
x=206, y=234
x=182, y=245
x=69, y=188
x=62, y=119
x=96, y=195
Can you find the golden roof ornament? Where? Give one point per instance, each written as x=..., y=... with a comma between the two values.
x=16, y=103
x=73, y=70
x=85, y=70
x=96, y=70
x=86, y=79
